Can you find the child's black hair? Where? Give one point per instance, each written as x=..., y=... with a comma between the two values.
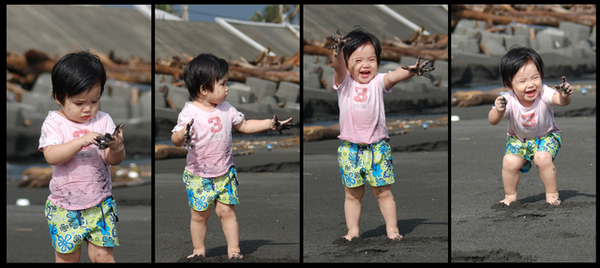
x=514, y=59
x=357, y=38
x=75, y=73
x=204, y=71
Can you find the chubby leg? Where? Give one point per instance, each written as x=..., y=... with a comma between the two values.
x=387, y=205
x=198, y=231
x=510, y=176
x=99, y=254
x=352, y=208
x=543, y=161
x=67, y=257
x=229, y=223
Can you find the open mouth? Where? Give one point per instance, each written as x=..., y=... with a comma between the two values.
x=365, y=74
x=530, y=94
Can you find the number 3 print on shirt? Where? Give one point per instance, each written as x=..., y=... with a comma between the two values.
x=361, y=94
x=529, y=120
x=216, y=122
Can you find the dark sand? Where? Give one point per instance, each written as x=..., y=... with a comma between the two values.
x=268, y=213
x=420, y=191
x=530, y=231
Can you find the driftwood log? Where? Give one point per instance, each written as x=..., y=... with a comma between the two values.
x=547, y=15
x=26, y=68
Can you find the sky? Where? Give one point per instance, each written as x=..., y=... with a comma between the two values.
x=209, y=12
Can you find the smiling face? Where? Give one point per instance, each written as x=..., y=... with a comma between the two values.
x=527, y=83
x=362, y=64
x=83, y=106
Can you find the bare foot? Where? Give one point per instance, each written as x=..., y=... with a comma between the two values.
x=194, y=255
x=349, y=237
x=235, y=256
x=397, y=237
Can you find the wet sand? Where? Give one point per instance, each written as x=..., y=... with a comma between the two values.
x=420, y=191
x=530, y=231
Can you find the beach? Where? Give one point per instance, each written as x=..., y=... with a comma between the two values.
x=420, y=192
x=529, y=231
x=268, y=214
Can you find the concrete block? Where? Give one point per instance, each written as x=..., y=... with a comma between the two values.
x=493, y=47
x=464, y=25
x=574, y=32
x=551, y=38
x=43, y=84
x=240, y=93
x=312, y=80
x=522, y=40
x=465, y=43
x=146, y=105
x=116, y=88
x=117, y=108
x=261, y=87
x=288, y=92
x=42, y=102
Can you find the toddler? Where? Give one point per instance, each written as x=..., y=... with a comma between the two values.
x=81, y=206
x=365, y=153
x=532, y=131
x=205, y=126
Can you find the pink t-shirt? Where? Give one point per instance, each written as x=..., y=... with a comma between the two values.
x=212, y=154
x=362, y=112
x=531, y=122
x=84, y=180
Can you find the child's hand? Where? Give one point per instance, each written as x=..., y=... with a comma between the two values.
x=419, y=69
x=113, y=141
x=339, y=43
x=281, y=125
x=187, y=137
x=500, y=103
x=89, y=138
x=565, y=88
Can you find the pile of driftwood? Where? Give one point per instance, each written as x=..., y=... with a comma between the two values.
x=272, y=68
x=429, y=47
x=25, y=68
x=546, y=15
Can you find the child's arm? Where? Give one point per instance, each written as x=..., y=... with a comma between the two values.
x=337, y=58
x=563, y=96
x=255, y=126
x=497, y=113
x=404, y=72
x=60, y=153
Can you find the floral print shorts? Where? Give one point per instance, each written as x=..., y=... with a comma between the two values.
x=203, y=192
x=526, y=149
x=370, y=162
x=69, y=228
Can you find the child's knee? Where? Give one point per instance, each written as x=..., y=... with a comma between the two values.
x=542, y=160
x=224, y=211
x=512, y=162
x=382, y=192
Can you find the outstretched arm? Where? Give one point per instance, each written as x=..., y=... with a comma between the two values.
x=405, y=72
x=337, y=58
x=255, y=126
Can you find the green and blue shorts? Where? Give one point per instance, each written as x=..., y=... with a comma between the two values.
x=203, y=192
x=550, y=143
x=69, y=228
x=366, y=162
